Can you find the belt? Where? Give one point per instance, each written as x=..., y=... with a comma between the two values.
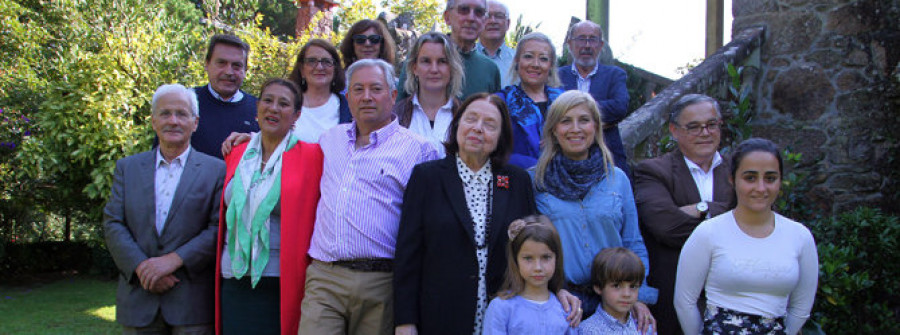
x=366, y=264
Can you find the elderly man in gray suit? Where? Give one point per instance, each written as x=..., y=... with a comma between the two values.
x=161, y=222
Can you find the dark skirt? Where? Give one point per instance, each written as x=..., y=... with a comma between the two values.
x=247, y=310
x=718, y=320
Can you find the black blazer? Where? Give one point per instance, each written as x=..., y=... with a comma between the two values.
x=436, y=270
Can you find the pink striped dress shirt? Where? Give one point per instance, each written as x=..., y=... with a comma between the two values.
x=362, y=191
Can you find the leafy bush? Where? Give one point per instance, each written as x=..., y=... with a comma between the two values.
x=42, y=257
x=858, y=270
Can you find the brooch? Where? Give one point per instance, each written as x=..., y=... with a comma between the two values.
x=503, y=181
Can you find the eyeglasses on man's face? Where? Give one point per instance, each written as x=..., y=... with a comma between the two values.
x=586, y=40
x=496, y=15
x=361, y=39
x=464, y=10
x=326, y=62
x=696, y=128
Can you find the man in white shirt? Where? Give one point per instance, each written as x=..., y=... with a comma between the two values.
x=492, y=42
x=677, y=191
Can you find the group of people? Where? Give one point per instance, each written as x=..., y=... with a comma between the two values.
x=484, y=191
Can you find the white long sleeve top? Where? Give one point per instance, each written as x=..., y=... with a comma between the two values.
x=773, y=276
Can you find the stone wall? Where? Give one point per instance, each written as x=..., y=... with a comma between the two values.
x=829, y=87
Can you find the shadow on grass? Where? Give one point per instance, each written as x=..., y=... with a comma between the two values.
x=72, y=305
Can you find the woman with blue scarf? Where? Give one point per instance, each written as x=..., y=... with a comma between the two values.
x=534, y=68
x=266, y=220
x=586, y=196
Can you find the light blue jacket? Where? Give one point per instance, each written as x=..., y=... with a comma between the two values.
x=605, y=218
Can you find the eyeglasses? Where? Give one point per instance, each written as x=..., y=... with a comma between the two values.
x=496, y=15
x=361, y=39
x=464, y=10
x=587, y=40
x=326, y=62
x=695, y=129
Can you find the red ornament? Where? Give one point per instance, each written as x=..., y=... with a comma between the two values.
x=503, y=181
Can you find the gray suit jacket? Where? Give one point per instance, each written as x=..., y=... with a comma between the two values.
x=190, y=231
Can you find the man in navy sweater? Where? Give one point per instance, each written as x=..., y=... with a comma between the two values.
x=224, y=107
x=604, y=82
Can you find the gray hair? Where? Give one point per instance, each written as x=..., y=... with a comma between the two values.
x=553, y=77
x=452, y=3
x=587, y=22
x=688, y=100
x=457, y=71
x=386, y=69
x=501, y=4
x=186, y=93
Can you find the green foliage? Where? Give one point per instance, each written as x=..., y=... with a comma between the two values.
x=792, y=201
x=75, y=87
x=355, y=11
x=425, y=13
x=740, y=108
x=279, y=16
x=518, y=31
x=858, y=270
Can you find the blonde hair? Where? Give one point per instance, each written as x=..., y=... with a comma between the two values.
x=552, y=77
x=550, y=145
x=454, y=60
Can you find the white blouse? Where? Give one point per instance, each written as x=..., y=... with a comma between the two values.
x=774, y=276
x=477, y=186
x=436, y=134
x=314, y=121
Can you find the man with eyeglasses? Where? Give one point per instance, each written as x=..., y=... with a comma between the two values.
x=224, y=107
x=677, y=191
x=603, y=82
x=466, y=21
x=492, y=42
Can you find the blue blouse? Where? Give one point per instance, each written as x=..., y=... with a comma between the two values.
x=605, y=218
x=527, y=123
x=519, y=316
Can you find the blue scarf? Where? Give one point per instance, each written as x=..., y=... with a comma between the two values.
x=569, y=179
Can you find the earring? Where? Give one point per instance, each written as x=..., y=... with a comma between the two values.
x=302, y=82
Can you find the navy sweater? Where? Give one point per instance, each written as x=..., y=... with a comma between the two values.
x=219, y=118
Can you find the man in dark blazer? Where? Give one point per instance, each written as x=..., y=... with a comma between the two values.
x=160, y=224
x=603, y=82
x=677, y=191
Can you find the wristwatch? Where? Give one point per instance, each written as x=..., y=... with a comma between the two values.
x=703, y=208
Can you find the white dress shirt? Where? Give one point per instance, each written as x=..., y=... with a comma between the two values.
x=238, y=95
x=704, y=179
x=165, y=182
x=437, y=134
x=584, y=83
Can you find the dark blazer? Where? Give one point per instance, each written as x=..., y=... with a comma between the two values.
x=661, y=186
x=190, y=231
x=344, y=115
x=609, y=90
x=436, y=270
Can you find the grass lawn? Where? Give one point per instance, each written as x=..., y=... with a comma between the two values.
x=74, y=305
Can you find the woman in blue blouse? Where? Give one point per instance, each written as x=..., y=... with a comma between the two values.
x=586, y=196
x=534, y=68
